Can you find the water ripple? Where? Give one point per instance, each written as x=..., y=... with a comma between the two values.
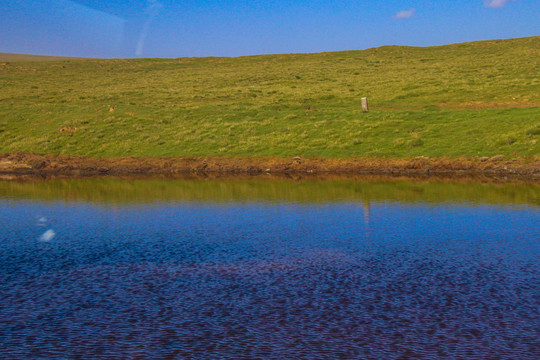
x=310, y=285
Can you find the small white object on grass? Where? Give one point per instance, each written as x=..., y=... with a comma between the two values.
x=364, y=103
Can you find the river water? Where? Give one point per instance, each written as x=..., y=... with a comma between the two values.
x=269, y=269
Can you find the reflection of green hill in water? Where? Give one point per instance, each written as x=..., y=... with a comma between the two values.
x=158, y=190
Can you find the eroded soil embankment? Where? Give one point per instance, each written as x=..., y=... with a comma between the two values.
x=77, y=166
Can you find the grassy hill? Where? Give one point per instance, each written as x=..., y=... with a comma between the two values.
x=470, y=99
x=27, y=57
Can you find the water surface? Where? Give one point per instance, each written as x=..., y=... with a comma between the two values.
x=233, y=269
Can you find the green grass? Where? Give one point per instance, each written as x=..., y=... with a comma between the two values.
x=26, y=57
x=472, y=99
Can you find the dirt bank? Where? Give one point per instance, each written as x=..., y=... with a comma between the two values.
x=77, y=166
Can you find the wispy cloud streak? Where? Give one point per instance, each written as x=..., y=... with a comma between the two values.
x=496, y=3
x=405, y=14
x=151, y=12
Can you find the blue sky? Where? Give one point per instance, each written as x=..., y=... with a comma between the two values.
x=167, y=28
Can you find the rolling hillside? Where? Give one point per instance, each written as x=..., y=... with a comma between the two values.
x=470, y=99
x=26, y=57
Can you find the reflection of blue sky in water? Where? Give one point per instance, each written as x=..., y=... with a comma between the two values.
x=285, y=280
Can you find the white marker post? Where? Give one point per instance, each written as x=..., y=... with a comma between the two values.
x=364, y=104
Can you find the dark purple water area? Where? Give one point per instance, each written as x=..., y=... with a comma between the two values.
x=261, y=279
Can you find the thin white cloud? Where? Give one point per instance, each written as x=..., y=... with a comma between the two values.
x=496, y=3
x=154, y=6
x=405, y=14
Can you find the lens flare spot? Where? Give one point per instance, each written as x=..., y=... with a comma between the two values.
x=47, y=235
